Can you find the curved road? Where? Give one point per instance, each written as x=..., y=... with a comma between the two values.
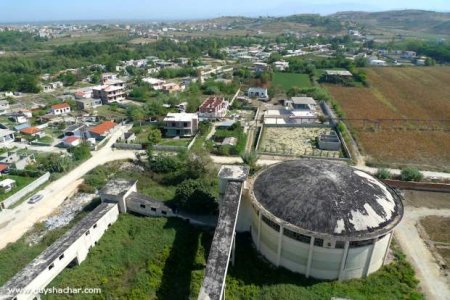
x=15, y=222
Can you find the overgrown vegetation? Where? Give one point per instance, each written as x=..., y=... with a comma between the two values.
x=411, y=174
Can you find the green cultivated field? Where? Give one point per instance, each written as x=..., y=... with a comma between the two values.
x=289, y=80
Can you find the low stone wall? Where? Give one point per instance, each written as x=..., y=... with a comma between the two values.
x=24, y=191
x=128, y=146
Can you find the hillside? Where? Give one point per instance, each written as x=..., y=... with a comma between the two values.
x=410, y=20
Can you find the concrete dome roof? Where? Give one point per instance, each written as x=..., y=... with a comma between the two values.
x=328, y=198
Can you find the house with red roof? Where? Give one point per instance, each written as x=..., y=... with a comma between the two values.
x=32, y=131
x=60, y=109
x=102, y=130
x=71, y=141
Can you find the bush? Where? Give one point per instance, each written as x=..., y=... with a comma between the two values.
x=81, y=152
x=411, y=174
x=164, y=164
x=196, y=196
x=86, y=188
x=383, y=174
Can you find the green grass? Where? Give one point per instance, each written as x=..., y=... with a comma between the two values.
x=142, y=258
x=45, y=140
x=182, y=142
x=288, y=80
x=21, y=181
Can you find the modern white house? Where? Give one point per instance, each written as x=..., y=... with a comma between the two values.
x=6, y=137
x=181, y=124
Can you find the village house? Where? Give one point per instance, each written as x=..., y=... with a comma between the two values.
x=259, y=93
x=88, y=103
x=33, y=131
x=79, y=130
x=4, y=107
x=7, y=185
x=71, y=141
x=102, y=130
x=16, y=161
x=155, y=83
x=172, y=87
x=260, y=67
x=213, y=108
x=60, y=109
x=109, y=93
x=6, y=137
x=280, y=65
x=46, y=88
x=181, y=124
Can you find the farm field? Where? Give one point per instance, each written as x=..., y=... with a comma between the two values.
x=400, y=93
x=289, y=80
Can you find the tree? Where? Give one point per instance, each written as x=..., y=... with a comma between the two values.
x=136, y=113
x=81, y=152
x=250, y=159
x=196, y=196
x=154, y=136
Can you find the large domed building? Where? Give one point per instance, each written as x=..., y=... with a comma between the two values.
x=321, y=218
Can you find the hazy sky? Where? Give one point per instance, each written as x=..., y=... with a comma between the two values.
x=44, y=10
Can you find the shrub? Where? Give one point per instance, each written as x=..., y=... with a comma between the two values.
x=383, y=174
x=411, y=174
x=86, y=188
x=164, y=164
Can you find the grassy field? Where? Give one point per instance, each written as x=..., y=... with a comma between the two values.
x=400, y=93
x=289, y=80
x=149, y=258
x=143, y=258
x=21, y=181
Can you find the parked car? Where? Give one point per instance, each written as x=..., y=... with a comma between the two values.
x=35, y=198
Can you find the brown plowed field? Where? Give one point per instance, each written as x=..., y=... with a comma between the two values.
x=400, y=93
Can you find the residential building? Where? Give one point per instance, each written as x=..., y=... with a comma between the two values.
x=79, y=130
x=302, y=103
x=109, y=93
x=172, y=87
x=60, y=109
x=281, y=65
x=102, y=130
x=33, y=131
x=71, y=141
x=7, y=185
x=6, y=137
x=155, y=83
x=4, y=107
x=213, y=108
x=46, y=88
x=181, y=124
x=88, y=103
x=16, y=161
x=258, y=92
x=260, y=67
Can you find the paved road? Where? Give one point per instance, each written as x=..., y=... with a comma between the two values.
x=433, y=283
x=15, y=222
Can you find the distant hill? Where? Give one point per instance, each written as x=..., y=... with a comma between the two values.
x=411, y=20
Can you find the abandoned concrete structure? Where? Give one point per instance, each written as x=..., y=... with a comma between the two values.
x=321, y=218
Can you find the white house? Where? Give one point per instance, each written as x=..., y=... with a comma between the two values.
x=60, y=109
x=257, y=92
x=4, y=107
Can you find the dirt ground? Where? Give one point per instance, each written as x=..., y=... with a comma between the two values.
x=430, y=208
x=427, y=199
x=438, y=234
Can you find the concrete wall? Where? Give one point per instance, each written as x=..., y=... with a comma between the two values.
x=325, y=262
x=147, y=209
x=77, y=252
x=24, y=191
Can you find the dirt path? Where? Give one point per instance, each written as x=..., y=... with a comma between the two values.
x=432, y=281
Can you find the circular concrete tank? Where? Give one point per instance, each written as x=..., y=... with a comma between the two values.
x=323, y=218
